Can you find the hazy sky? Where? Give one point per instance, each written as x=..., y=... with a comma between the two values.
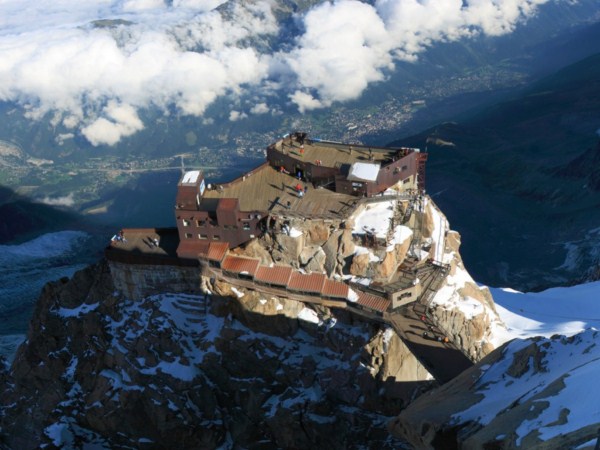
x=183, y=55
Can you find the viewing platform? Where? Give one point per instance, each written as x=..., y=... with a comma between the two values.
x=138, y=246
x=270, y=190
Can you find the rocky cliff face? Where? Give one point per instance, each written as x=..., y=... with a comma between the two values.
x=465, y=311
x=233, y=369
x=461, y=308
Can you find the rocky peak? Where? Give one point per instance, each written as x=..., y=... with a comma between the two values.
x=232, y=368
x=532, y=393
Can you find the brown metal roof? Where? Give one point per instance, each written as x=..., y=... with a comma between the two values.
x=335, y=289
x=216, y=251
x=311, y=282
x=372, y=301
x=186, y=196
x=230, y=204
x=278, y=275
x=192, y=248
x=237, y=264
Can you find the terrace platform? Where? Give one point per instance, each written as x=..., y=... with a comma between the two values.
x=138, y=247
x=334, y=155
x=267, y=189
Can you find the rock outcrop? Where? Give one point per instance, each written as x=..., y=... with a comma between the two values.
x=528, y=394
x=105, y=363
x=464, y=311
x=234, y=368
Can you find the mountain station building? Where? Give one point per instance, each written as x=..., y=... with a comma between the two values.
x=301, y=177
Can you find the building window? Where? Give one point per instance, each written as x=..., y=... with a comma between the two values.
x=188, y=235
x=404, y=168
x=202, y=236
x=216, y=237
x=406, y=181
x=246, y=226
x=186, y=223
x=200, y=223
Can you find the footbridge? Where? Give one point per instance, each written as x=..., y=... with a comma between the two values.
x=418, y=329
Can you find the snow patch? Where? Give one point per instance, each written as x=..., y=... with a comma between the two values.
x=574, y=361
x=438, y=235
x=308, y=315
x=295, y=232
x=82, y=309
x=375, y=218
x=364, y=171
x=401, y=234
x=359, y=250
x=46, y=246
x=563, y=310
x=237, y=292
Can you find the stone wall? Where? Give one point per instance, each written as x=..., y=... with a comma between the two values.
x=136, y=281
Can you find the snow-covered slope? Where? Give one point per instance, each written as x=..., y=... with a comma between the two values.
x=531, y=393
x=25, y=268
x=563, y=310
x=544, y=386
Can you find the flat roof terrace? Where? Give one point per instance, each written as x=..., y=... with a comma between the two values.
x=267, y=189
x=331, y=154
x=139, y=246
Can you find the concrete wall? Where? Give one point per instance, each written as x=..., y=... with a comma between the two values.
x=406, y=296
x=136, y=281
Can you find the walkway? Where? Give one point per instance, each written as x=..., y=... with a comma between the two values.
x=443, y=360
x=420, y=333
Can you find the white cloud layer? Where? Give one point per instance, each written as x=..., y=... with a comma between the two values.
x=95, y=65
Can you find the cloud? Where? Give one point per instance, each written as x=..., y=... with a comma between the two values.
x=347, y=44
x=67, y=200
x=122, y=121
x=344, y=48
x=259, y=108
x=93, y=66
x=237, y=115
x=306, y=101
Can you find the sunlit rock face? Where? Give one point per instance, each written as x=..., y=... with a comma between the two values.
x=464, y=311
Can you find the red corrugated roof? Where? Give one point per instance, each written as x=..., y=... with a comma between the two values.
x=335, y=289
x=216, y=251
x=278, y=275
x=311, y=282
x=372, y=301
x=237, y=264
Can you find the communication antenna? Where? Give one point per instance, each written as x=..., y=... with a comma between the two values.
x=181, y=156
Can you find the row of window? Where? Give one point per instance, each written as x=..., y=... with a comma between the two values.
x=203, y=236
x=202, y=223
x=215, y=237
